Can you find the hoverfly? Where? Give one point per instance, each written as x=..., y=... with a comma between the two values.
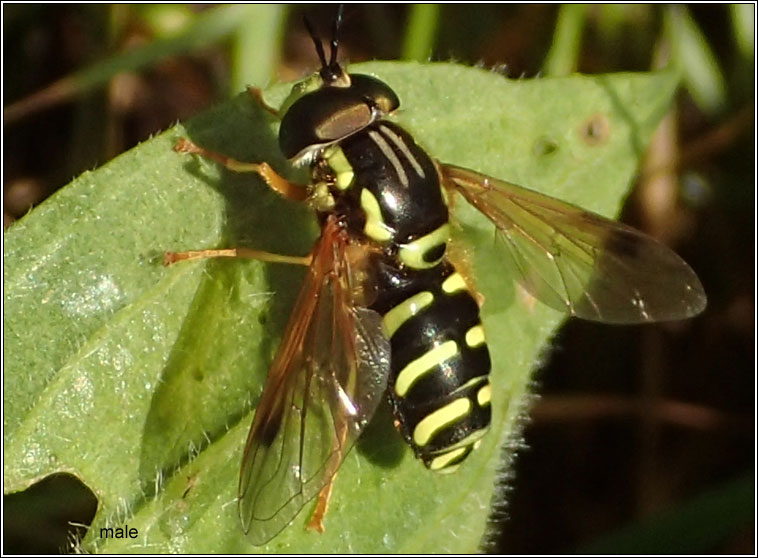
x=384, y=311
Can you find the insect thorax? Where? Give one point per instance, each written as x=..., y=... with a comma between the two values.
x=387, y=189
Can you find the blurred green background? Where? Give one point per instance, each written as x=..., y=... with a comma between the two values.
x=643, y=438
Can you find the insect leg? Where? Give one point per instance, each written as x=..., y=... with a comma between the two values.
x=279, y=184
x=257, y=94
x=316, y=522
x=170, y=258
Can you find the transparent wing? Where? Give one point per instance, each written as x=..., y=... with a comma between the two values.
x=325, y=383
x=579, y=262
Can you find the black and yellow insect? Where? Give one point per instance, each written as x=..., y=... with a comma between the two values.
x=383, y=310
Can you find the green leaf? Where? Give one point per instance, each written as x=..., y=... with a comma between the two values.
x=140, y=380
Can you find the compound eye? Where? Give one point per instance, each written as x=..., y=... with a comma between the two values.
x=379, y=94
x=342, y=123
x=386, y=104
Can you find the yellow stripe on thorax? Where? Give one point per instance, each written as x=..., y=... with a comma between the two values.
x=375, y=227
x=341, y=167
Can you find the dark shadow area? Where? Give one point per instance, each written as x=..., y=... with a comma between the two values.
x=185, y=413
x=47, y=517
x=381, y=443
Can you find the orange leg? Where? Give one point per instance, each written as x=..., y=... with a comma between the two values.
x=257, y=95
x=316, y=522
x=247, y=253
x=170, y=258
x=282, y=186
x=290, y=190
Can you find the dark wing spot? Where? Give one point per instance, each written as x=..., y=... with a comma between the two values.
x=268, y=430
x=623, y=243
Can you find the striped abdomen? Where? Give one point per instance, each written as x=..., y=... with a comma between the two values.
x=439, y=386
x=388, y=190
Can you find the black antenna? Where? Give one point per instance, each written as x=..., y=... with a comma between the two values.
x=331, y=72
x=316, y=42
x=335, y=36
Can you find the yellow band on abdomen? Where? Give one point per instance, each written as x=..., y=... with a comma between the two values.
x=415, y=369
x=405, y=311
x=439, y=419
